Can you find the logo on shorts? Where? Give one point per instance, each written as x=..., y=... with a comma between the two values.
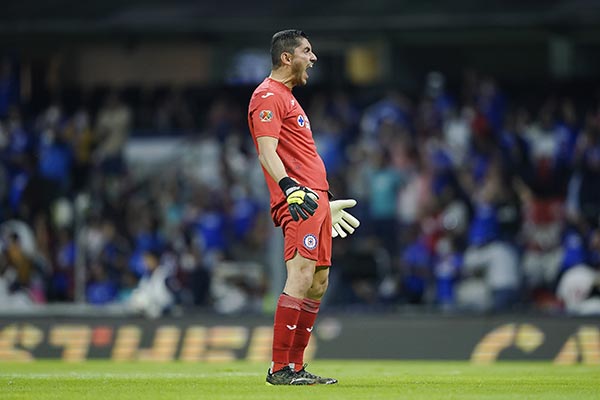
x=301, y=121
x=310, y=241
x=266, y=115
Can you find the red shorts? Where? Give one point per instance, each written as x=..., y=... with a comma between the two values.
x=312, y=237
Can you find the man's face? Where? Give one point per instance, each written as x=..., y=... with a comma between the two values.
x=303, y=58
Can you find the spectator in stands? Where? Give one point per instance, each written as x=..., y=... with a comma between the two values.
x=579, y=290
x=456, y=134
x=112, y=127
x=100, y=289
x=194, y=276
x=587, y=172
x=11, y=294
x=416, y=270
x=55, y=160
x=62, y=285
x=156, y=291
x=394, y=109
x=384, y=185
x=81, y=138
x=22, y=272
x=490, y=102
x=492, y=278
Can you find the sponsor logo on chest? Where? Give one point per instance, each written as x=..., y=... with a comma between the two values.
x=303, y=121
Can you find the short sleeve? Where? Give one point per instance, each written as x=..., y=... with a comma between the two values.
x=267, y=114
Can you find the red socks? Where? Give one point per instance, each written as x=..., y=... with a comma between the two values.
x=294, y=320
x=310, y=308
x=284, y=329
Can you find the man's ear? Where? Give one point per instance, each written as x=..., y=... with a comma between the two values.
x=286, y=58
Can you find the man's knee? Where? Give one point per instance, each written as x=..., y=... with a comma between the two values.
x=319, y=284
x=317, y=291
x=300, y=274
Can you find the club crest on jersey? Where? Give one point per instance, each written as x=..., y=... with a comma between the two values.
x=310, y=241
x=266, y=115
x=301, y=121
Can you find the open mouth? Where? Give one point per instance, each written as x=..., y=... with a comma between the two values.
x=307, y=68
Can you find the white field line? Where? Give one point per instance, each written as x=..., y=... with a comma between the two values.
x=124, y=375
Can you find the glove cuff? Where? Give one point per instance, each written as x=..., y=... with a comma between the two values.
x=286, y=183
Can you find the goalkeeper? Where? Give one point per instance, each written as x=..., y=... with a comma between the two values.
x=298, y=189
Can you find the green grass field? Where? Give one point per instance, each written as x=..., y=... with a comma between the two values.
x=242, y=380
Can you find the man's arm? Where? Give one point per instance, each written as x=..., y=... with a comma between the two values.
x=300, y=204
x=269, y=159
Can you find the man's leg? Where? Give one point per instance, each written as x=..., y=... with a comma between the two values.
x=305, y=243
x=300, y=273
x=310, y=309
x=308, y=315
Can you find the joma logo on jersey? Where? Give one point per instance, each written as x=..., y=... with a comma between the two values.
x=266, y=115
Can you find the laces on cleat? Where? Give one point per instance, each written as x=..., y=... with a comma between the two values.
x=288, y=376
x=319, y=380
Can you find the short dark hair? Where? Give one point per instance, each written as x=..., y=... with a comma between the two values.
x=285, y=41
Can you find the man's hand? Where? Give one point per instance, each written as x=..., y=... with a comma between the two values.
x=342, y=222
x=300, y=199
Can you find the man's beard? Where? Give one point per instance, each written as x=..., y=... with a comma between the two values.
x=297, y=73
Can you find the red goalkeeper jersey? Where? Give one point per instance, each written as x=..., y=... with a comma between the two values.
x=275, y=112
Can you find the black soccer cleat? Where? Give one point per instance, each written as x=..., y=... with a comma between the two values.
x=288, y=376
x=319, y=380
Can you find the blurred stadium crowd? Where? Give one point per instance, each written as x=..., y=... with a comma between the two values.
x=470, y=199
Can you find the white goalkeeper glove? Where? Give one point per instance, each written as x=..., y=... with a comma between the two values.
x=342, y=222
